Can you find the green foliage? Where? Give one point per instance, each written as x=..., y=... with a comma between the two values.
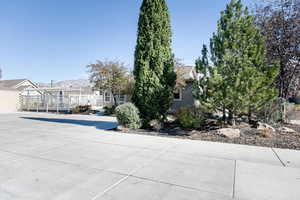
x=128, y=116
x=240, y=80
x=109, y=110
x=109, y=76
x=189, y=118
x=202, y=86
x=81, y=109
x=154, y=63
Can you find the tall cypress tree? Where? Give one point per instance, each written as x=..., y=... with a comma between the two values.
x=154, y=63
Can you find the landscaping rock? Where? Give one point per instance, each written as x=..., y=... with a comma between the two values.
x=229, y=133
x=244, y=125
x=266, y=130
x=155, y=125
x=122, y=128
x=252, y=132
x=285, y=130
x=171, y=118
x=262, y=126
x=193, y=132
x=265, y=133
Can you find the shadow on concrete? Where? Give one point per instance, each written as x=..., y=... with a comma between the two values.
x=98, y=124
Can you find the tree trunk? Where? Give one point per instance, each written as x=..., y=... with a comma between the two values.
x=230, y=117
x=224, y=114
x=115, y=100
x=249, y=115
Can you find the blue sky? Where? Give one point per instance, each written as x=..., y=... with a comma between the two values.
x=47, y=40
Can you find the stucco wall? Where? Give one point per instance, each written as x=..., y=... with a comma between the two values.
x=9, y=101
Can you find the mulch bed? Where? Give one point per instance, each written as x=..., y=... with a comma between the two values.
x=249, y=136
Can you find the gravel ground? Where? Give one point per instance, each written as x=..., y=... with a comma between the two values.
x=249, y=136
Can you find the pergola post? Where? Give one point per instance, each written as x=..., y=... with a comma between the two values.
x=69, y=102
x=57, y=103
x=47, y=103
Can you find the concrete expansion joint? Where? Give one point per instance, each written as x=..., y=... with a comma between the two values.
x=172, y=184
x=234, y=179
x=131, y=173
x=278, y=157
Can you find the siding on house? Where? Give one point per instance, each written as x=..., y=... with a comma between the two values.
x=187, y=98
x=188, y=74
x=9, y=101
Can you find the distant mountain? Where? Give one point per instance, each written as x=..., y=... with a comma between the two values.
x=80, y=83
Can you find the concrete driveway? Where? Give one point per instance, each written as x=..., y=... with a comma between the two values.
x=65, y=157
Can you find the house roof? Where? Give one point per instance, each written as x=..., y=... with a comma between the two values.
x=11, y=83
x=188, y=72
x=15, y=84
x=66, y=90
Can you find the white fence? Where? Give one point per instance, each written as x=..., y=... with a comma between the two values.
x=65, y=103
x=60, y=103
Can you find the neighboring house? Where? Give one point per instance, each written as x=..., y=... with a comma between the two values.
x=10, y=91
x=183, y=95
x=21, y=85
x=108, y=98
x=81, y=92
x=9, y=100
x=64, y=98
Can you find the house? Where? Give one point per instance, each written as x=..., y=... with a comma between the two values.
x=21, y=85
x=64, y=97
x=183, y=94
x=9, y=100
x=10, y=92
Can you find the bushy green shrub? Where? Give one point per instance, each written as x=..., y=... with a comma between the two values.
x=189, y=118
x=109, y=110
x=129, y=116
x=81, y=109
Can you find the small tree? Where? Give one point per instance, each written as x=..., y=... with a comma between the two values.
x=240, y=80
x=154, y=62
x=109, y=75
x=202, y=85
x=129, y=86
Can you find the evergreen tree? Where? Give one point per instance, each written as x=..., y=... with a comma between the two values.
x=201, y=90
x=241, y=81
x=154, y=62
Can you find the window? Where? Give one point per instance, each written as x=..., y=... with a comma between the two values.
x=121, y=99
x=177, y=95
x=98, y=93
x=107, y=97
